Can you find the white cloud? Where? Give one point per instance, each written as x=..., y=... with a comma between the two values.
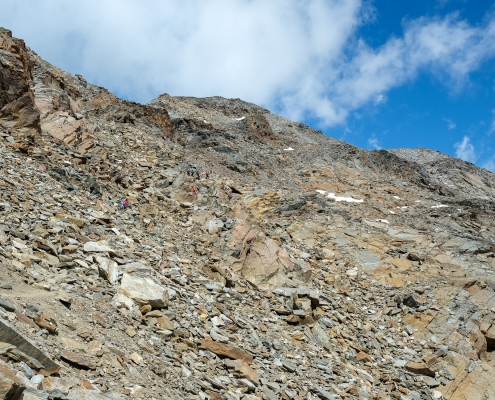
x=300, y=58
x=379, y=99
x=450, y=124
x=490, y=164
x=465, y=150
x=373, y=143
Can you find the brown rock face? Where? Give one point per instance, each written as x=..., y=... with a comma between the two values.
x=17, y=105
x=11, y=388
x=264, y=264
x=77, y=360
x=226, y=350
x=242, y=369
x=258, y=125
x=420, y=369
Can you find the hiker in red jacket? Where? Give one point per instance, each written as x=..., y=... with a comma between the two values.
x=207, y=174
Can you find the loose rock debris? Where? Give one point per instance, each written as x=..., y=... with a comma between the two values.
x=277, y=291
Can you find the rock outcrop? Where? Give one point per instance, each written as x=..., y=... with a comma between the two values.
x=329, y=272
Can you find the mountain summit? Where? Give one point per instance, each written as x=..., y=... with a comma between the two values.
x=206, y=248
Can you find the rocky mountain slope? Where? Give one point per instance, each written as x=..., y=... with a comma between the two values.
x=333, y=273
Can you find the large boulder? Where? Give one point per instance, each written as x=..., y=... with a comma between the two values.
x=263, y=263
x=144, y=291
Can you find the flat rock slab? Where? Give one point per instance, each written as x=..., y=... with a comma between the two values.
x=321, y=337
x=10, y=335
x=367, y=260
x=7, y=304
x=226, y=350
x=97, y=247
x=135, y=267
x=420, y=369
x=77, y=360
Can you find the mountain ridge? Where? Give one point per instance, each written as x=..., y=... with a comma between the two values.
x=329, y=272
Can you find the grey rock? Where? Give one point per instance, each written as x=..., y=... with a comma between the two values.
x=289, y=366
x=6, y=285
x=325, y=395
x=33, y=394
x=7, y=304
x=321, y=337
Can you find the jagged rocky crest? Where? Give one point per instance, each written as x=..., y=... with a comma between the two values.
x=333, y=272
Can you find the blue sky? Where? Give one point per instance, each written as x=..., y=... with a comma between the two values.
x=376, y=73
x=430, y=111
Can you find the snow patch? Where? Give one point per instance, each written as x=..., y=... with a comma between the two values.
x=391, y=212
x=384, y=221
x=439, y=206
x=397, y=197
x=240, y=119
x=288, y=149
x=338, y=198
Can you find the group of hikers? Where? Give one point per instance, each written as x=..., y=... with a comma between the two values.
x=124, y=204
x=197, y=173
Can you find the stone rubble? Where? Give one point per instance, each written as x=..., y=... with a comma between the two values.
x=279, y=293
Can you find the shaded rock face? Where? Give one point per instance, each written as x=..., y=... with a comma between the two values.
x=329, y=272
x=258, y=126
x=11, y=387
x=65, y=103
x=17, y=105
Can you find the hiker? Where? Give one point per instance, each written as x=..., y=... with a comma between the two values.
x=121, y=205
x=207, y=173
x=198, y=174
x=126, y=204
x=230, y=196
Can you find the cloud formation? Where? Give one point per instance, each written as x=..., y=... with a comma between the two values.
x=450, y=124
x=465, y=150
x=373, y=143
x=303, y=59
x=490, y=164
